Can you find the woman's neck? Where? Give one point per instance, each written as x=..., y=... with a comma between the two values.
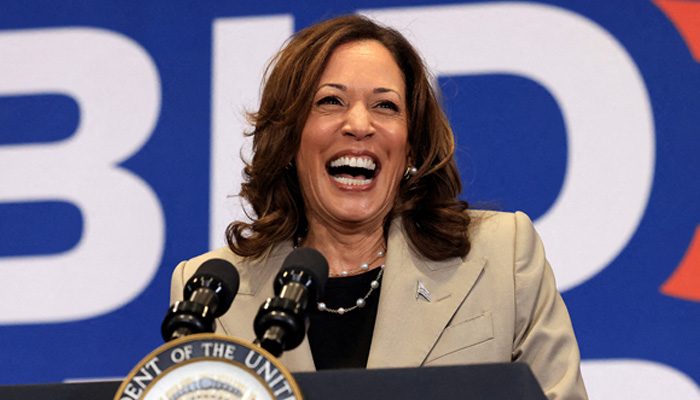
x=346, y=248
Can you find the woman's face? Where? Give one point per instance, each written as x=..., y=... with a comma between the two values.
x=354, y=144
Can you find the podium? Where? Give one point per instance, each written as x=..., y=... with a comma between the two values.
x=483, y=382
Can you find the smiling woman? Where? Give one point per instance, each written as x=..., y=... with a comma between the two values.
x=354, y=147
x=360, y=86
x=353, y=156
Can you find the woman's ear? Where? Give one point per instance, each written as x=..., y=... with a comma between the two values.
x=409, y=156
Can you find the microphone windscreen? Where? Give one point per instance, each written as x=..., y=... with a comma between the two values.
x=310, y=261
x=226, y=274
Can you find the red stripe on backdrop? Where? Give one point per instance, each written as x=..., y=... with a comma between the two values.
x=685, y=16
x=684, y=283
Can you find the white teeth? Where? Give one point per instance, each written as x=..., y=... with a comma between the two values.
x=352, y=181
x=353, y=162
x=361, y=162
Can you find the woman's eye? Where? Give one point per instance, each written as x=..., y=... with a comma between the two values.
x=333, y=100
x=388, y=105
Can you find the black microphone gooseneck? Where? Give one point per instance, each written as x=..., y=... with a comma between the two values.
x=208, y=295
x=282, y=321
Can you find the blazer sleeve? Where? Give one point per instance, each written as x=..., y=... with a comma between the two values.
x=544, y=337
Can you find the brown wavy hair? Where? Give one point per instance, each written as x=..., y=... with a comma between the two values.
x=435, y=221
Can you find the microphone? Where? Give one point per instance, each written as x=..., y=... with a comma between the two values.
x=282, y=321
x=210, y=292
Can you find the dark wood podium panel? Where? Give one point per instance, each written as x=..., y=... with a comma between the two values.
x=483, y=382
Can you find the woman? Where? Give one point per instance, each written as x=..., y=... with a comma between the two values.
x=353, y=157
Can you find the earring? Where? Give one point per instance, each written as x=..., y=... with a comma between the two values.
x=410, y=171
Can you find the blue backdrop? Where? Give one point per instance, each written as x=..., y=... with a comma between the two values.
x=515, y=151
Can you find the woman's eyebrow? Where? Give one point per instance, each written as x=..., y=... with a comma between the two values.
x=334, y=85
x=386, y=90
x=345, y=88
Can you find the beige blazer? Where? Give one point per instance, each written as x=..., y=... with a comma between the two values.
x=497, y=304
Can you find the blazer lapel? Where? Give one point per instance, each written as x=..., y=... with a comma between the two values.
x=408, y=325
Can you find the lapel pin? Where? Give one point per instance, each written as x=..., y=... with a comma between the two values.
x=421, y=290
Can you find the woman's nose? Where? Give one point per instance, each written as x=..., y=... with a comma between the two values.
x=358, y=122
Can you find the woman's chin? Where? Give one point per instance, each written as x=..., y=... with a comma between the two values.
x=355, y=204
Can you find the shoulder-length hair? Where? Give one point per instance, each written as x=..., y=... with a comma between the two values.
x=434, y=220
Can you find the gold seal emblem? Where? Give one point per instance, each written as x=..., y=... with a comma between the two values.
x=209, y=366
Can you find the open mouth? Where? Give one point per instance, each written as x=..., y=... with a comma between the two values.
x=352, y=170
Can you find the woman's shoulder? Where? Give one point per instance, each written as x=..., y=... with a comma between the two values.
x=188, y=267
x=223, y=253
x=498, y=230
x=490, y=220
x=251, y=271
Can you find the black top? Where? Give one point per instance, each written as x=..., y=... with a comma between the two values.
x=343, y=341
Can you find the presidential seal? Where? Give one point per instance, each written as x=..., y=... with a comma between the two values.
x=209, y=366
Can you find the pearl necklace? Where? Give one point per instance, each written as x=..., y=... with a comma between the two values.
x=364, y=267
x=361, y=301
